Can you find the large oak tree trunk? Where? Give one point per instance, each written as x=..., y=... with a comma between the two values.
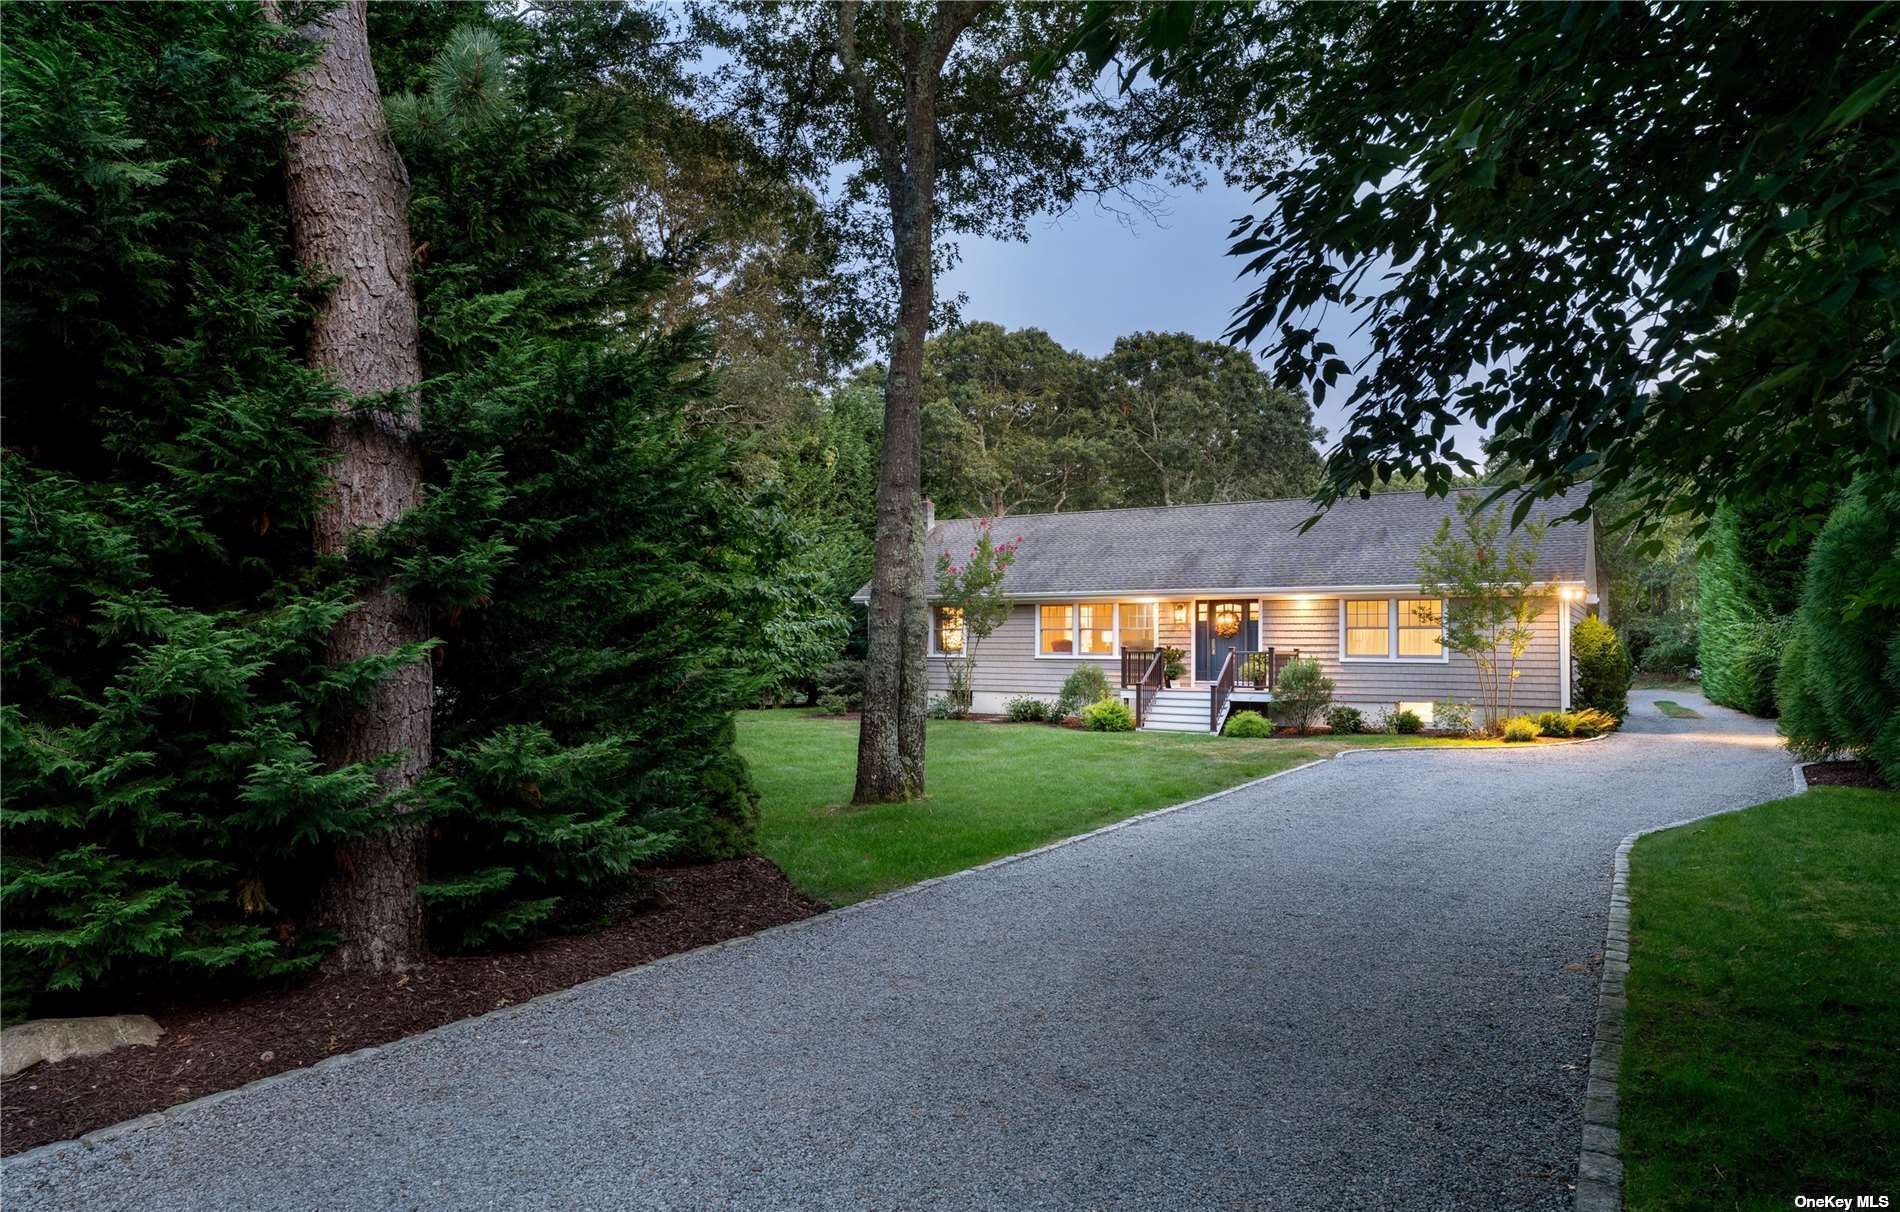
x=349, y=208
x=896, y=681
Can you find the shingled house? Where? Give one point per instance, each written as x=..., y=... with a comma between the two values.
x=1242, y=590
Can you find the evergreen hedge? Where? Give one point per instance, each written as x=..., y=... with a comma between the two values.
x=602, y=596
x=1748, y=584
x=164, y=616
x=1839, y=687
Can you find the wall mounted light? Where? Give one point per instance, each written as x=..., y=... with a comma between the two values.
x=1180, y=612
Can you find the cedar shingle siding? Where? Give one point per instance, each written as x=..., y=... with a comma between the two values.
x=1007, y=664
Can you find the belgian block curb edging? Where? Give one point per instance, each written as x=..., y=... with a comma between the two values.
x=1599, y=1160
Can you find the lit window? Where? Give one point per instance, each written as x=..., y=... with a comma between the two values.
x=1138, y=626
x=1367, y=629
x=949, y=624
x=1421, y=627
x=1098, y=628
x=1058, y=629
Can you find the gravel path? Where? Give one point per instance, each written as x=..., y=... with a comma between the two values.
x=1367, y=984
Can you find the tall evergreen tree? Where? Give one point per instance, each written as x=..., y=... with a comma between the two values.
x=166, y=620
x=349, y=222
x=601, y=589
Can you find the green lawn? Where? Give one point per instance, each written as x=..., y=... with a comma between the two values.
x=994, y=789
x=1762, y=1058
x=1676, y=711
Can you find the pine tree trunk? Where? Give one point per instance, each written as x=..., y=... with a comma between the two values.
x=349, y=209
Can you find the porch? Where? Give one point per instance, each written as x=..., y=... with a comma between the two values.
x=1241, y=675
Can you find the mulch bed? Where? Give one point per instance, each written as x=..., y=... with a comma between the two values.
x=1845, y=774
x=212, y=1047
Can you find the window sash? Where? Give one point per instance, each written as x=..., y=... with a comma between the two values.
x=1058, y=630
x=1421, y=627
x=948, y=630
x=1138, y=625
x=1095, y=623
x=1368, y=628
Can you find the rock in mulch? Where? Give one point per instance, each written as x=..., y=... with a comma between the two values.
x=54, y=1039
x=216, y=1046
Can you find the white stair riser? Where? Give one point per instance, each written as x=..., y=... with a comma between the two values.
x=1176, y=711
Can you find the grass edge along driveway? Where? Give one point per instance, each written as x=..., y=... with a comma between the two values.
x=1762, y=1047
x=992, y=790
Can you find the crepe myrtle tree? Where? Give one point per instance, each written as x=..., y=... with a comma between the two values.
x=919, y=122
x=1487, y=582
x=971, y=593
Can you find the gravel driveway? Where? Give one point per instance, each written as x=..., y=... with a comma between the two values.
x=1367, y=984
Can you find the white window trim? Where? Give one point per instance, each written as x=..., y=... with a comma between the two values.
x=1154, y=624
x=1392, y=656
x=1075, y=628
x=934, y=649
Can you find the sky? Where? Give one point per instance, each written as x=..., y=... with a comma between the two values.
x=1087, y=277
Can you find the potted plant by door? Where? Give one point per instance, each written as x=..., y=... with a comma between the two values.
x=1177, y=663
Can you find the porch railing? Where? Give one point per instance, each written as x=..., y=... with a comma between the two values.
x=1256, y=670
x=1223, y=689
x=1148, y=685
x=1135, y=662
x=1261, y=670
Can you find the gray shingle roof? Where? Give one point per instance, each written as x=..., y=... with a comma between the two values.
x=1241, y=545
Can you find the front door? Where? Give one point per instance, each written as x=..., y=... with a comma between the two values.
x=1221, y=628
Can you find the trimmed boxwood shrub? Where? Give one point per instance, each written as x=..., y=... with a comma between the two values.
x=1840, y=683
x=1603, y=669
x=1250, y=725
x=1519, y=729
x=1108, y=715
x=1086, y=685
x=1346, y=720
x=1407, y=722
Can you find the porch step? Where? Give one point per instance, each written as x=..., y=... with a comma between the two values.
x=1160, y=724
x=1177, y=711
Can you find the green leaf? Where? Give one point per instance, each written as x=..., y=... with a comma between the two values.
x=1863, y=99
